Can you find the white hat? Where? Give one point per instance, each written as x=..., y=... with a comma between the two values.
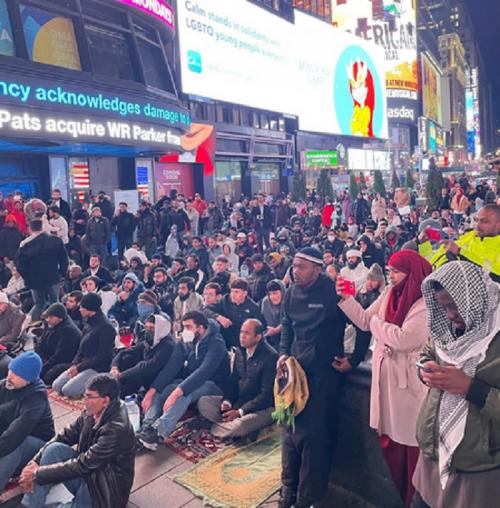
x=354, y=253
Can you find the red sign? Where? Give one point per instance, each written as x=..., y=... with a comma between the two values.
x=174, y=176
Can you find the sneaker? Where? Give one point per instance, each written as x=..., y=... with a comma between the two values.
x=148, y=438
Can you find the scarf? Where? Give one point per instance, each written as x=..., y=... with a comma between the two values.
x=476, y=297
x=407, y=292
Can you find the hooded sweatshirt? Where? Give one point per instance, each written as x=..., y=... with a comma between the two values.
x=273, y=313
x=125, y=312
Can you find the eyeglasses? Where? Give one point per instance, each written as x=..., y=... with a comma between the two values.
x=90, y=397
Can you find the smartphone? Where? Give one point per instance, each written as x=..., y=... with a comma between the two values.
x=421, y=365
x=348, y=286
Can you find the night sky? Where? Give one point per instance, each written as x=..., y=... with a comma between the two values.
x=486, y=17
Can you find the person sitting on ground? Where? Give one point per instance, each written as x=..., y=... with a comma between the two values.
x=125, y=308
x=232, y=310
x=458, y=424
x=355, y=270
x=211, y=294
x=187, y=300
x=16, y=285
x=165, y=289
x=205, y=373
x=138, y=366
x=95, y=352
x=258, y=279
x=11, y=321
x=26, y=422
x=93, y=457
x=72, y=304
x=272, y=310
x=194, y=270
x=58, y=343
x=73, y=279
x=96, y=269
x=222, y=276
x=248, y=400
x=279, y=263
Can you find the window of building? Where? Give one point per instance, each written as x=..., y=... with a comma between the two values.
x=109, y=53
x=50, y=38
x=155, y=68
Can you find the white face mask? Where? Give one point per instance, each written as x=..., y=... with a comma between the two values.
x=188, y=336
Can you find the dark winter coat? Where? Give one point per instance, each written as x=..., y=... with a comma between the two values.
x=24, y=412
x=106, y=455
x=146, y=224
x=42, y=261
x=124, y=224
x=250, y=387
x=97, y=231
x=10, y=238
x=257, y=282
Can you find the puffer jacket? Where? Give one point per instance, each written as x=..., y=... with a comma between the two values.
x=97, y=231
x=257, y=283
x=105, y=460
x=480, y=446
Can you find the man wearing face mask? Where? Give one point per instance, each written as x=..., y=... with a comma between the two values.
x=26, y=422
x=334, y=244
x=139, y=365
x=355, y=271
x=206, y=371
x=58, y=344
x=187, y=300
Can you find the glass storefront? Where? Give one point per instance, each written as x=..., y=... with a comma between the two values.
x=228, y=180
x=266, y=178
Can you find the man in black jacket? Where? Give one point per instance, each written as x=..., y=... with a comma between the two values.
x=42, y=262
x=313, y=332
x=58, y=344
x=232, y=310
x=100, y=471
x=139, y=365
x=97, y=233
x=248, y=400
x=10, y=238
x=146, y=228
x=97, y=270
x=95, y=352
x=262, y=222
x=72, y=304
x=63, y=205
x=26, y=422
x=124, y=224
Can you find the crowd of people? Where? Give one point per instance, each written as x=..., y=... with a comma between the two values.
x=252, y=312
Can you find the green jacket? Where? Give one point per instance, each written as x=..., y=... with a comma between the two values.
x=480, y=447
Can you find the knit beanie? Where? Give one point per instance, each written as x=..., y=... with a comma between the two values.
x=310, y=254
x=149, y=296
x=376, y=273
x=57, y=310
x=27, y=366
x=91, y=302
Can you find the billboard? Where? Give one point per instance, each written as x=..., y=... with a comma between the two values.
x=368, y=160
x=6, y=37
x=390, y=24
x=431, y=90
x=233, y=51
x=319, y=159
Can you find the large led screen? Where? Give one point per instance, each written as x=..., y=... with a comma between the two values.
x=236, y=52
x=390, y=24
x=431, y=90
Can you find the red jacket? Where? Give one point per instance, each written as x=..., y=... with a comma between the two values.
x=326, y=215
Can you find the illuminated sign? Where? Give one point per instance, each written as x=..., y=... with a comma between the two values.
x=319, y=159
x=369, y=160
x=6, y=38
x=391, y=25
x=47, y=110
x=236, y=52
x=157, y=8
x=431, y=90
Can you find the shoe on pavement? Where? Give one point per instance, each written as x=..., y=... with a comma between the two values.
x=148, y=438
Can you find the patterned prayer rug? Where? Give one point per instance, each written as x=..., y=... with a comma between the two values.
x=76, y=404
x=237, y=476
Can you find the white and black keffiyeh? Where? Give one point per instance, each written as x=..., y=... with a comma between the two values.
x=476, y=297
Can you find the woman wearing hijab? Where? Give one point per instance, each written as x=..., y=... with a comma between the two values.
x=397, y=321
x=458, y=427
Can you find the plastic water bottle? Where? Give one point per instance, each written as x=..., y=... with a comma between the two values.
x=133, y=411
x=244, y=271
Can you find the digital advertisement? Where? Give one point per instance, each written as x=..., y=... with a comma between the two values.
x=236, y=52
x=50, y=38
x=431, y=90
x=6, y=38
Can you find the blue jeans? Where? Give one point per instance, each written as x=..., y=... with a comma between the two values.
x=73, y=387
x=165, y=423
x=15, y=461
x=42, y=298
x=53, y=454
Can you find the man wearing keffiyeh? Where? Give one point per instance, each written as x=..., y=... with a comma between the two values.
x=458, y=429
